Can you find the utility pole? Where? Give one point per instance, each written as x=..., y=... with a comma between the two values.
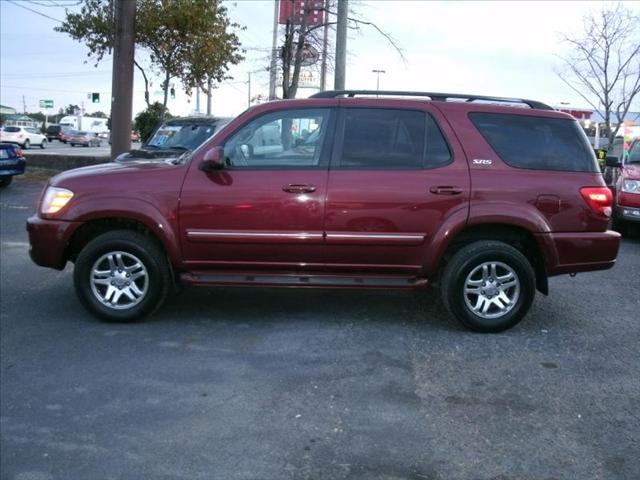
x=274, y=53
x=197, y=100
x=24, y=106
x=341, y=45
x=122, y=77
x=325, y=40
x=209, y=85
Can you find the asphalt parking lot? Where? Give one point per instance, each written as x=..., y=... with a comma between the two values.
x=314, y=384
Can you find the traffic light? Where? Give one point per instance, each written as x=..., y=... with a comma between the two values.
x=95, y=97
x=172, y=92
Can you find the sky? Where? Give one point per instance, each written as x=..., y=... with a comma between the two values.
x=486, y=48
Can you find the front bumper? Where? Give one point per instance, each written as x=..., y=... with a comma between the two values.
x=48, y=241
x=572, y=252
x=628, y=214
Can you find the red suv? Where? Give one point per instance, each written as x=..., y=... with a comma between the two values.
x=485, y=197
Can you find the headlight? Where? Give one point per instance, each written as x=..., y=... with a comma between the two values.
x=631, y=186
x=55, y=199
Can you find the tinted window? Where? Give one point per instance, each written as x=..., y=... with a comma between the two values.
x=289, y=138
x=380, y=138
x=186, y=136
x=537, y=142
x=11, y=129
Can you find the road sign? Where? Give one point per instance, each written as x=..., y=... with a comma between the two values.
x=46, y=103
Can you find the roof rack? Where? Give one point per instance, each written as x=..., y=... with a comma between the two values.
x=442, y=97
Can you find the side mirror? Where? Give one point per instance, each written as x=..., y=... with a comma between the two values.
x=613, y=162
x=213, y=160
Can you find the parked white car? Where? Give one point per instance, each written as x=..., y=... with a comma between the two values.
x=23, y=136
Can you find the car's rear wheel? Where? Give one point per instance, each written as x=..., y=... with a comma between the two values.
x=5, y=181
x=73, y=144
x=121, y=276
x=26, y=144
x=488, y=286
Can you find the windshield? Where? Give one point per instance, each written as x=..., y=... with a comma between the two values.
x=634, y=153
x=188, y=136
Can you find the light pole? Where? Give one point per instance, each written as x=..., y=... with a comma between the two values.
x=378, y=72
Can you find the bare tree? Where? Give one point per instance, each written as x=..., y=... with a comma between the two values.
x=302, y=35
x=604, y=67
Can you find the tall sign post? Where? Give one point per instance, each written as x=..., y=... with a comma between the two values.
x=46, y=105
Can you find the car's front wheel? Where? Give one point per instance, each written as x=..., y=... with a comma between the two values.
x=488, y=286
x=121, y=276
x=26, y=144
x=43, y=145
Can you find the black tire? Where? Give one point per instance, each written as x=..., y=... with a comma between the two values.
x=5, y=181
x=26, y=144
x=73, y=144
x=464, y=262
x=149, y=253
x=43, y=145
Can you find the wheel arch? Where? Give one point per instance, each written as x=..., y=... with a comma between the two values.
x=517, y=236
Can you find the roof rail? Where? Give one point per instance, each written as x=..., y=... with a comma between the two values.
x=442, y=97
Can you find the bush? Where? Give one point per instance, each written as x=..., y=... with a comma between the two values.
x=147, y=120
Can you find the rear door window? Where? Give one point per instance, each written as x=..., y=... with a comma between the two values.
x=537, y=143
x=11, y=129
x=376, y=138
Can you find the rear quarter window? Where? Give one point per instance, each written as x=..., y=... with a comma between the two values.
x=537, y=143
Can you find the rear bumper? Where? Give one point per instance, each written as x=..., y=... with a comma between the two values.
x=572, y=252
x=14, y=167
x=48, y=241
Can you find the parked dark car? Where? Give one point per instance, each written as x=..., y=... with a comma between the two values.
x=481, y=199
x=86, y=139
x=12, y=162
x=176, y=136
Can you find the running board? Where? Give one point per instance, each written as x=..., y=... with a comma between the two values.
x=295, y=280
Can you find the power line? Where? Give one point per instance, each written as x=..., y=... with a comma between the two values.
x=34, y=11
x=53, y=4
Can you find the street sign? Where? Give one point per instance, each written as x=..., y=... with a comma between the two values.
x=46, y=103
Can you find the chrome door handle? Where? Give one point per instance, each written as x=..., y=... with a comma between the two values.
x=299, y=188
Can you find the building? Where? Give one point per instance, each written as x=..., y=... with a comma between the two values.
x=20, y=120
x=4, y=110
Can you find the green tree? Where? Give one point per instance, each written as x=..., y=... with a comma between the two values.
x=70, y=109
x=147, y=120
x=98, y=114
x=188, y=40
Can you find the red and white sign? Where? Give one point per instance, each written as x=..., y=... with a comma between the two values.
x=296, y=10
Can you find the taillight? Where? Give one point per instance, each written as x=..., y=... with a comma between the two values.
x=20, y=135
x=599, y=199
x=19, y=153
